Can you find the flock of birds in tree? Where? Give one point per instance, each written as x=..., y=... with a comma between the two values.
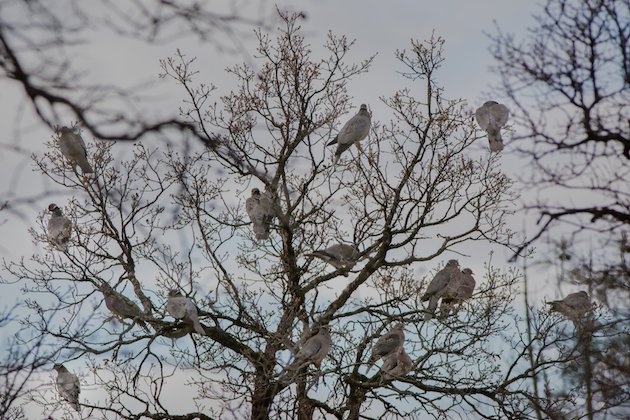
x=450, y=286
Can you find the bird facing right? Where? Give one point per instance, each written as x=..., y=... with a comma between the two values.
x=354, y=130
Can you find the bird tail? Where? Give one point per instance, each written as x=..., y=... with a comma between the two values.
x=198, y=327
x=334, y=141
x=143, y=325
x=495, y=140
x=76, y=406
x=428, y=313
x=85, y=167
x=336, y=160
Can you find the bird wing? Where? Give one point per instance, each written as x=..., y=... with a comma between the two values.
x=356, y=129
x=483, y=117
x=499, y=114
x=438, y=284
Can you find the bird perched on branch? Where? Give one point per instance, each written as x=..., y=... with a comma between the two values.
x=354, y=130
x=68, y=386
x=261, y=211
x=182, y=307
x=59, y=228
x=457, y=291
x=573, y=306
x=121, y=306
x=312, y=351
x=73, y=148
x=438, y=287
x=338, y=255
x=388, y=343
x=492, y=116
x=396, y=365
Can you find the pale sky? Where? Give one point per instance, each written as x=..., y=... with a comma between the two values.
x=379, y=27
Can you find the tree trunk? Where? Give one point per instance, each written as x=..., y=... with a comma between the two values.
x=264, y=393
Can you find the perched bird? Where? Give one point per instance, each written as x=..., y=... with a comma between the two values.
x=260, y=209
x=59, y=228
x=388, y=344
x=312, y=351
x=355, y=130
x=68, y=386
x=457, y=291
x=396, y=365
x=338, y=255
x=492, y=116
x=121, y=306
x=438, y=287
x=573, y=306
x=181, y=307
x=73, y=148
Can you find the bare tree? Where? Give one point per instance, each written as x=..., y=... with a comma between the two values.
x=569, y=84
x=414, y=195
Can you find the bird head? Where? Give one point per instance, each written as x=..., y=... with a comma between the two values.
x=467, y=271
x=52, y=207
x=174, y=293
x=453, y=263
x=255, y=191
x=490, y=103
x=65, y=130
x=58, y=367
x=363, y=107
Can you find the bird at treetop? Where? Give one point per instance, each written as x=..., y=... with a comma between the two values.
x=59, y=228
x=73, y=148
x=354, y=130
x=492, y=116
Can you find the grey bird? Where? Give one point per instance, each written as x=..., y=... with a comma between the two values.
x=312, y=351
x=457, y=291
x=73, y=148
x=59, y=228
x=354, y=130
x=573, y=306
x=260, y=209
x=396, y=365
x=388, y=343
x=121, y=306
x=68, y=386
x=492, y=116
x=438, y=286
x=182, y=307
x=338, y=255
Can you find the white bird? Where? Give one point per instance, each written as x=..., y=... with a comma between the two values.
x=457, y=291
x=388, y=344
x=73, y=148
x=573, y=306
x=68, y=386
x=59, y=228
x=260, y=209
x=338, y=255
x=438, y=285
x=182, y=307
x=121, y=306
x=355, y=129
x=492, y=116
x=396, y=365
